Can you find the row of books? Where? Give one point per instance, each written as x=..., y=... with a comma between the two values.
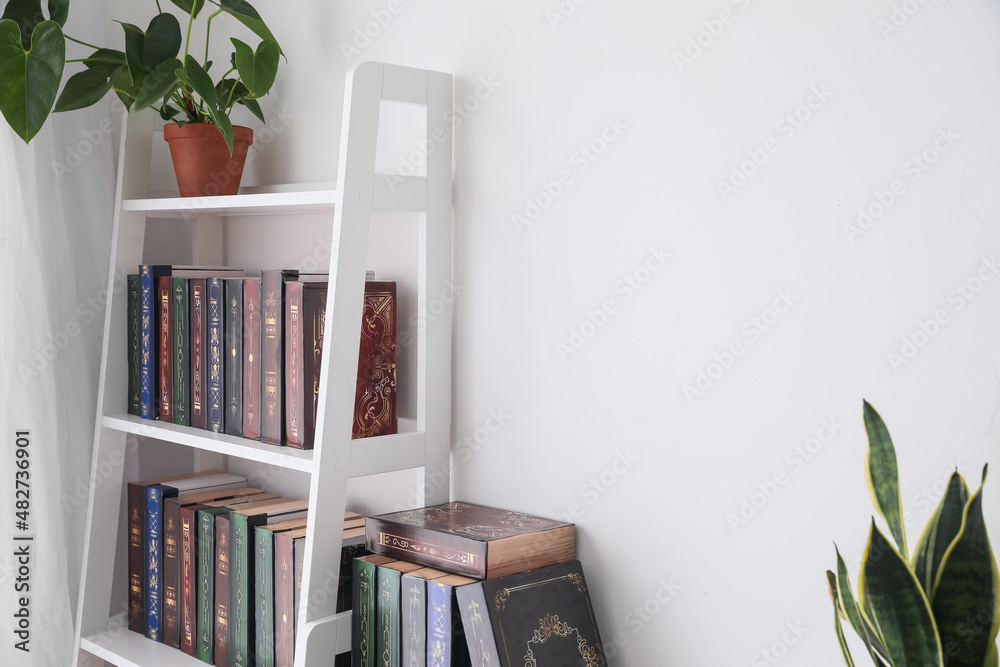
x=461, y=584
x=212, y=349
x=215, y=567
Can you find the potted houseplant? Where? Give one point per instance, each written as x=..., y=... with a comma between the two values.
x=937, y=606
x=158, y=68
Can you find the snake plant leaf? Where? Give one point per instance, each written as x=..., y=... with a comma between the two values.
x=942, y=528
x=883, y=476
x=257, y=69
x=993, y=657
x=160, y=83
x=190, y=6
x=892, y=599
x=850, y=608
x=248, y=16
x=106, y=61
x=162, y=40
x=195, y=76
x=27, y=14
x=834, y=595
x=83, y=89
x=967, y=592
x=29, y=79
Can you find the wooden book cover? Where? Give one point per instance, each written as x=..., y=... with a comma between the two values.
x=472, y=540
x=446, y=646
x=234, y=355
x=375, y=397
x=199, y=368
x=164, y=314
x=544, y=617
x=251, y=358
x=181, y=351
x=134, y=299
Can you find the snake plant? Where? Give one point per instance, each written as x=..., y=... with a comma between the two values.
x=936, y=606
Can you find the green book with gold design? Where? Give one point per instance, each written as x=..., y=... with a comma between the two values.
x=182, y=346
x=205, y=623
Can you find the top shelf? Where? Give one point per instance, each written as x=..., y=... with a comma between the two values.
x=254, y=203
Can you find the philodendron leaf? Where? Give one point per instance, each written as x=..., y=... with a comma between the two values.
x=883, y=476
x=27, y=14
x=967, y=591
x=83, y=89
x=832, y=581
x=188, y=5
x=249, y=17
x=257, y=69
x=162, y=40
x=135, y=40
x=892, y=599
x=106, y=60
x=160, y=83
x=939, y=532
x=29, y=80
x=195, y=76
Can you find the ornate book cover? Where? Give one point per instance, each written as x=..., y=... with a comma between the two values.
x=189, y=579
x=206, y=572
x=446, y=645
x=199, y=368
x=413, y=615
x=472, y=540
x=222, y=559
x=216, y=356
x=472, y=607
x=181, y=352
x=154, y=556
x=387, y=611
x=134, y=299
x=164, y=314
x=364, y=625
x=251, y=358
x=284, y=597
x=266, y=596
x=544, y=617
x=149, y=339
x=233, y=318
x=375, y=398
x=272, y=428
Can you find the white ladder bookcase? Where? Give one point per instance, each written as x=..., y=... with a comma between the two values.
x=423, y=440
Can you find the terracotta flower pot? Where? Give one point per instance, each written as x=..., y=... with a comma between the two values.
x=201, y=158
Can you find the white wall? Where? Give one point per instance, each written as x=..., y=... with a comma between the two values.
x=605, y=433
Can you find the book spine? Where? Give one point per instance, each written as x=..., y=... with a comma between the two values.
x=182, y=354
x=222, y=528
x=149, y=341
x=189, y=609
x=241, y=588
x=136, y=501
x=344, y=586
x=134, y=299
x=264, y=597
x=375, y=398
x=387, y=613
x=449, y=552
x=272, y=418
x=234, y=356
x=216, y=357
x=206, y=586
x=199, y=377
x=294, y=392
x=284, y=601
x=413, y=621
x=251, y=358
x=164, y=313
x=363, y=627
x=171, y=573
x=474, y=611
x=313, y=322
x=438, y=625
x=154, y=557
x=299, y=559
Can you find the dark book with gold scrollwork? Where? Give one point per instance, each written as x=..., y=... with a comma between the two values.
x=375, y=397
x=472, y=540
x=544, y=617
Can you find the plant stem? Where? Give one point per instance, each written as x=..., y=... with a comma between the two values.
x=96, y=48
x=187, y=40
x=229, y=102
x=158, y=8
x=123, y=92
x=208, y=35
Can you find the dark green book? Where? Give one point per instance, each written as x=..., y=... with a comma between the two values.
x=264, y=585
x=206, y=582
x=233, y=324
x=363, y=624
x=388, y=613
x=134, y=298
x=182, y=347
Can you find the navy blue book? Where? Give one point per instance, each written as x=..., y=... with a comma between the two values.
x=234, y=356
x=216, y=359
x=134, y=289
x=446, y=645
x=149, y=339
x=154, y=556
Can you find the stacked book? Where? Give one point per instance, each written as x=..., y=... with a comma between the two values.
x=461, y=584
x=212, y=349
x=215, y=567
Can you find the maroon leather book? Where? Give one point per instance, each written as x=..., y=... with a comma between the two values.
x=313, y=323
x=471, y=540
x=375, y=400
x=164, y=308
x=299, y=558
x=222, y=589
x=251, y=358
x=294, y=392
x=189, y=579
x=199, y=370
x=284, y=597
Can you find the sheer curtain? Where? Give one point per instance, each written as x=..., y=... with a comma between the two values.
x=56, y=208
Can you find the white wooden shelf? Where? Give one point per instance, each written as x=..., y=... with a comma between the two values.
x=125, y=648
x=263, y=203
